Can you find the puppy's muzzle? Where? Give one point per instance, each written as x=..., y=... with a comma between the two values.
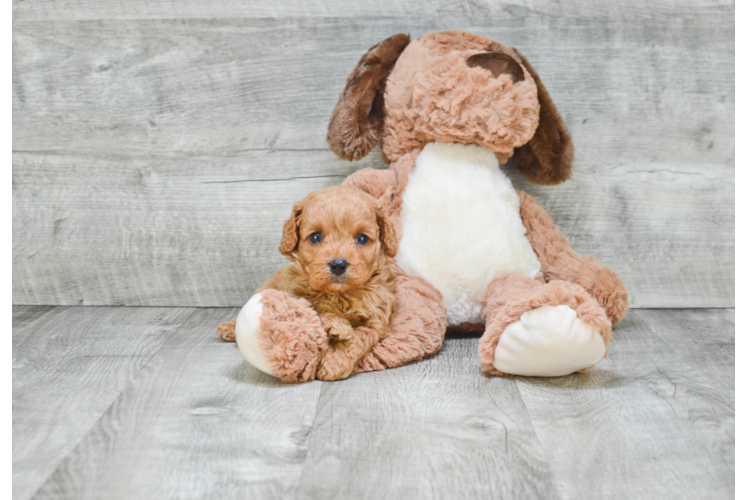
x=338, y=267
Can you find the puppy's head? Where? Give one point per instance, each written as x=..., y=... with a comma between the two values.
x=339, y=237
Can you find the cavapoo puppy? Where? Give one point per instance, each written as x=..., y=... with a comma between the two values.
x=338, y=242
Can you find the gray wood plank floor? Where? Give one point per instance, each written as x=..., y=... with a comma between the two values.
x=69, y=365
x=148, y=403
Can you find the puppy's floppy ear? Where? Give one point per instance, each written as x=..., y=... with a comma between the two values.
x=358, y=118
x=546, y=158
x=290, y=237
x=387, y=234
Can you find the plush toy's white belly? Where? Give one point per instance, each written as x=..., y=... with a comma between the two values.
x=461, y=226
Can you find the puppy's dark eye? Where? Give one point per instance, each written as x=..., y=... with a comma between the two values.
x=315, y=238
x=362, y=239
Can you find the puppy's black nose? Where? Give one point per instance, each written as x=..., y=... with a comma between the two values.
x=338, y=266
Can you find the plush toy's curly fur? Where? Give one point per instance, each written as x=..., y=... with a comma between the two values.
x=431, y=96
x=291, y=336
x=416, y=329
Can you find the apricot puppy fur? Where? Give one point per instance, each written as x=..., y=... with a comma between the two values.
x=338, y=242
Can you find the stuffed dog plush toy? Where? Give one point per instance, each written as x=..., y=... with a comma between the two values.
x=473, y=253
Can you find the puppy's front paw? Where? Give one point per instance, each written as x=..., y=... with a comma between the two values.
x=334, y=366
x=336, y=327
x=341, y=332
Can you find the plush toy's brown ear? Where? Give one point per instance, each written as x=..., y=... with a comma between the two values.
x=290, y=237
x=357, y=120
x=546, y=158
x=387, y=234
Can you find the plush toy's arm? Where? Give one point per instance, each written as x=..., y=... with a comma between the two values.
x=560, y=262
x=417, y=326
x=387, y=186
x=372, y=181
x=227, y=330
x=277, y=282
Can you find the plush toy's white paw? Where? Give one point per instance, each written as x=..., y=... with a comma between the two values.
x=550, y=341
x=248, y=330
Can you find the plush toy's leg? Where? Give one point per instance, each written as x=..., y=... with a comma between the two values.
x=545, y=330
x=416, y=330
x=280, y=335
x=560, y=262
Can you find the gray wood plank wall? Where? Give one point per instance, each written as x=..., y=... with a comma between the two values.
x=158, y=146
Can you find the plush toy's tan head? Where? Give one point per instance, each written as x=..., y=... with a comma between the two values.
x=451, y=86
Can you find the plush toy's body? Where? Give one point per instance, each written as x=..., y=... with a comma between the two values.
x=461, y=227
x=447, y=109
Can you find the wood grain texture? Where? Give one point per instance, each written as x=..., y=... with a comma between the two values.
x=437, y=429
x=138, y=139
x=658, y=91
x=167, y=231
x=162, y=231
x=169, y=9
x=69, y=364
x=23, y=319
x=703, y=338
x=741, y=403
x=651, y=421
x=197, y=422
x=654, y=420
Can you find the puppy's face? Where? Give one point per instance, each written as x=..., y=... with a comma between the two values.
x=337, y=236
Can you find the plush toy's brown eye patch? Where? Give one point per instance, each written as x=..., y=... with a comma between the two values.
x=498, y=64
